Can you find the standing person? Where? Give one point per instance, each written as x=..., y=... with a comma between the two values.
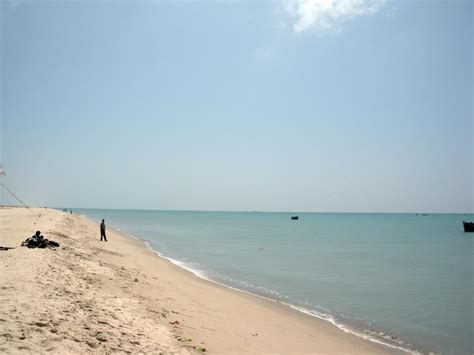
x=102, y=231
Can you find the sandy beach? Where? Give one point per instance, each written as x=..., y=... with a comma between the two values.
x=118, y=296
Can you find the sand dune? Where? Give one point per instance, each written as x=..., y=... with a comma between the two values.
x=92, y=296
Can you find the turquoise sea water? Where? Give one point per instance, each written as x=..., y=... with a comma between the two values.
x=402, y=279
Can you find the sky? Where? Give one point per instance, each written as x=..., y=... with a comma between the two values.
x=295, y=105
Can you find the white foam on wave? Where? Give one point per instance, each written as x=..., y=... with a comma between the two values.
x=320, y=315
x=329, y=318
x=200, y=273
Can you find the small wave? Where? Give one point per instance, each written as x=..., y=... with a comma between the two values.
x=248, y=285
x=199, y=273
x=390, y=341
x=369, y=335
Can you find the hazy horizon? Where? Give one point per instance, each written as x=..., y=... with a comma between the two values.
x=350, y=106
x=74, y=209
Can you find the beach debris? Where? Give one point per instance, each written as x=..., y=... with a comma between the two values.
x=38, y=241
x=136, y=280
x=6, y=248
x=255, y=334
x=176, y=322
x=178, y=338
x=202, y=327
x=199, y=349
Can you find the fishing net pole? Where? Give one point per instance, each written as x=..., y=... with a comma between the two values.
x=2, y=173
x=13, y=195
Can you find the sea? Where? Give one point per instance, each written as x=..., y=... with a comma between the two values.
x=404, y=280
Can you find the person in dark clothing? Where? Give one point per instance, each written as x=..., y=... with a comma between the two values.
x=102, y=231
x=38, y=241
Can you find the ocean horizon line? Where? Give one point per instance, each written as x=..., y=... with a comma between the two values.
x=253, y=211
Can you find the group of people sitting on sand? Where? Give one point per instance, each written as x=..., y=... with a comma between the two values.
x=38, y=241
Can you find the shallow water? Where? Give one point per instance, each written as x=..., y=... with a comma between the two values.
x=402, y=279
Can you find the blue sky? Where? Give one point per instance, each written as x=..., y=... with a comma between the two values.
x=309, y=105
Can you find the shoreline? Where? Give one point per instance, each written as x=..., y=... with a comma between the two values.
x=285, y=305
x=118, y=296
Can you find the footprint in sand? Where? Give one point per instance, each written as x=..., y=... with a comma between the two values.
x=91, y=344
x=40, y=324
x=101, y=337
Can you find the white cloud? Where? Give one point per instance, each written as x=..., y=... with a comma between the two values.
x=327, y=14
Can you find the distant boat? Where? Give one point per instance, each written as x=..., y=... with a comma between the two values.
x=295, y=218
x=468, y=226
